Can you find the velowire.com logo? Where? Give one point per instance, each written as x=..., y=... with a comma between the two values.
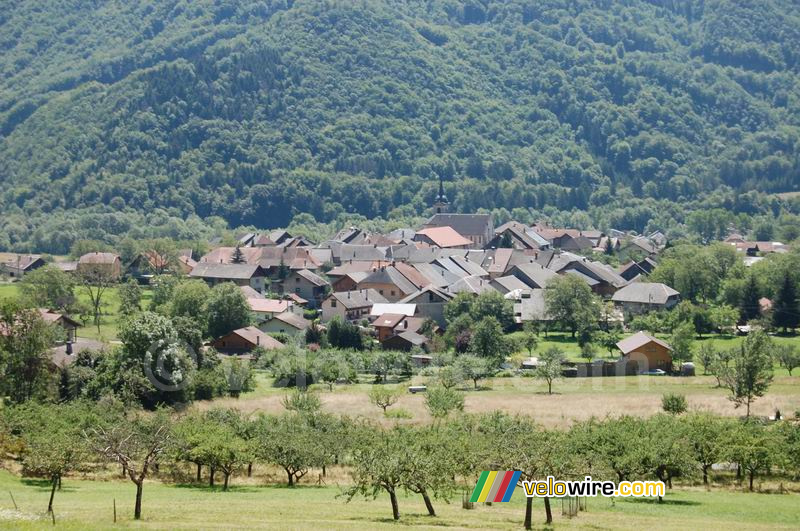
x=495, y=486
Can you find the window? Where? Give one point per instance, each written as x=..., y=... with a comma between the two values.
x=297, y=279
x=392, y=293
x=380, y=291
x=297, y=289
x=333, y=304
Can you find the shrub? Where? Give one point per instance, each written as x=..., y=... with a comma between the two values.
x=674, y=403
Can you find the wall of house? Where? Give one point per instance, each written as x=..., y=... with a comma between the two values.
x=232, y=343
x=653, y=355
x=391, y=292
x=275, y=326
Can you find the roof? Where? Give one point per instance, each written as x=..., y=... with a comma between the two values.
x=445, y=236
x=464, y=224
x=292, y=319
x=312, y=277
x=533, y=274
x=66, y=266
x=638, y=340
x=226, y=271
x=359, y=298
x=412, y=338
x=268, y=305
x=436, y=275
x=427, y=289
x=21, y=261
x=508, y=283
x=297, y=299
x=255, y=337
x=413, y=275
x=390, y=275
x=407, y=310
x=250, y=293
x=471, y=284
x=388, y=320
x=98, y=258
x=224, y=255
x=53, y=317
x=645, y=293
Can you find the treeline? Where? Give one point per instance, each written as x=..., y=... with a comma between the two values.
x=258, y=114
x=438, y=462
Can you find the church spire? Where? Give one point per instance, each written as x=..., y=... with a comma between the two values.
x=441, y=205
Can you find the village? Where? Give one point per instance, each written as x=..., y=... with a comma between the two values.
x=395, y=287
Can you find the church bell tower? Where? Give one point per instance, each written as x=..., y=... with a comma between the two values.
x=441, y=205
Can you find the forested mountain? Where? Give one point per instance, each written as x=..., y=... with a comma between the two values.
x=158, y=117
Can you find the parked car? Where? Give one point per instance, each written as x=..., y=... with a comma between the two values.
x=655, y=372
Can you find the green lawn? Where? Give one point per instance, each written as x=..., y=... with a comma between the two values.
x=109, y=320
x=84, y=504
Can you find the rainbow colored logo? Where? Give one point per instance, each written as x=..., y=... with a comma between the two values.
x=495, y=486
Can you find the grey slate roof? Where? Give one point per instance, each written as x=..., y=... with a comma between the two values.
x=645, y=293
x=361, y=298
x=390, y=275
x=464, y=224
x=226, y=271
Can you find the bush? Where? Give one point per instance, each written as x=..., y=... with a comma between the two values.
x=674, y=403
x=398, y=413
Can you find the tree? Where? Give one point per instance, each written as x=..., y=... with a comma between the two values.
x=220, y=448
x=489, y=342
x=48, y=287
x=130, y=298
x=95, y=280
x=189, y=299
x=344, y=334
x=570, y=301
x=493, y=304
x=227, y=309
x=441, y=401
x=750, y=446
x=289, y=442
x=378, y=464
x=785, y=307
x=52, y=444
x=135, y=444
x=238, y=256
x=330, y=366
x=609, y=339
x=430, y=463
x=750, y=372
x=302, y=402
x=788, y=356
x=549, y=367
x=681, y=340
x=724, y=318
x=383, y=396
x=472, y=368
x=457, y=306
x=530, y=336
x=706, y=433
x=674, y=403
x=707, y=355
x=24, y=351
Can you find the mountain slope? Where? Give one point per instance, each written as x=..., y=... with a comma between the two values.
x=127, y=118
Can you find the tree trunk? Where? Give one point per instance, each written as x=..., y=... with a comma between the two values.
x=52, y=494
x=59, y=483
x=395, y=507
x=137, y=509
x=752, y=474
x=227, y=476
x=428, y=504
x=211, y=473
x=249, y=470
x=324, y=471
x=549, y=388
x=528, y=513
x=199, y=471
x=705, y=474
x=291, y=477
x=548, y=511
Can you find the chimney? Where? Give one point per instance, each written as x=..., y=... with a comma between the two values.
x=405, y=323
x=258, y=340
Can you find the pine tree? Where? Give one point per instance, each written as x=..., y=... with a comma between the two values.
x=238, y=256
x=785, y=309
x=750, y=307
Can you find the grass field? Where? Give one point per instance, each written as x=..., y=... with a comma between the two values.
x=109, y=320
x=86, y=504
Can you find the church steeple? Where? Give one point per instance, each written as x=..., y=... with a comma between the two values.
x=442, y=205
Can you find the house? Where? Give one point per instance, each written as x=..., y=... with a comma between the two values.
x=633, y=270
x=406, y=341
x=564, y=239
x=389, y=282
x=307, y=285
x=515, y=235
x=509, y=283
x=350, y=305
x=430, y=302
x=69, y=325
x=471, y=284
x=443, y=237
x=348, y=281
x=642, y=297
x=100, y=264
x=16, y=266
x=533, y=275
x=378, y=309
x=67, y=267
x=285, y=323
x=529, y=306
x=647, y=351
x=240, y=274
x=250, y=293
x=266, y=309
x=385, y=325
x=478, y=228
x=147, y=264
x=244, y=340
